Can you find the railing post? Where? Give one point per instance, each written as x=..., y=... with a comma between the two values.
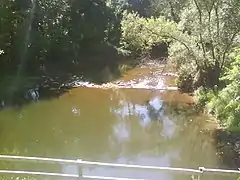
x=80, y=175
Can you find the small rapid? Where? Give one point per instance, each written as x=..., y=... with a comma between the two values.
x=154, y=81
x=145, y=78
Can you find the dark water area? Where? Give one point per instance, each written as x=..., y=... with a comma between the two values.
x=119, y=125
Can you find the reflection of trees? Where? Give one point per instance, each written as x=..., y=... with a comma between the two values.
x=109, y=124
x=196, y=146
x=153, y=113
x=192, y=145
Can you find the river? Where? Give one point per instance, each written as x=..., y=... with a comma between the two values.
x=120, y=125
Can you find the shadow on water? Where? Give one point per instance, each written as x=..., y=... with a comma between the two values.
x=30, y=90
x=56, y=83
x=47, y=87
x=228, y=147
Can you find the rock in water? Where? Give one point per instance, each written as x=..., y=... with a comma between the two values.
x=32, y=94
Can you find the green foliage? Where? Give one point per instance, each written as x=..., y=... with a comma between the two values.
x=201, y=41
x=140, y=34
x=142, y=7
x=43, y=31
x=202, y=97
x=210, y=28
x=169, y=9
x=113, y=31
x=210, y=38
x=185, y=80
x=227, y=102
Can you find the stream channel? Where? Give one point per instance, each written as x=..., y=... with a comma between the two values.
x=135, y=125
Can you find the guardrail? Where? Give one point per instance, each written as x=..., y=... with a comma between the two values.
x=80, y=163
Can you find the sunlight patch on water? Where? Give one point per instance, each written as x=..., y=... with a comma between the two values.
x=121, y=132
x=76, y=111
x=164, y=160
x=168, y=128
x=157, y=103
x=139, y=110
x=147, y=114
x=123, y=111
x=143, y=115
x=69, y=169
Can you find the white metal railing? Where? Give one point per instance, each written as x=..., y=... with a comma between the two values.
x=80, y=163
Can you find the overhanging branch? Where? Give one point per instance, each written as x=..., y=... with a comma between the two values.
x=166, y=35
x=228, y=48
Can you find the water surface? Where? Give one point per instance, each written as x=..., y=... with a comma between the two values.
x=132, y=126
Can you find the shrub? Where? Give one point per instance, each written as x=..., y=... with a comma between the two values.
x=227, y=102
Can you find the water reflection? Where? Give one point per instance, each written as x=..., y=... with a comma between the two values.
x=148, y=113
x=122, y=126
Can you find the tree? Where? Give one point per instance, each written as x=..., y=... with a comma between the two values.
x=213, y=27
x=201, y=41
x=142, y=7
x=227, y=102
x=140, y=34
x=59, y=31
x=170, y=9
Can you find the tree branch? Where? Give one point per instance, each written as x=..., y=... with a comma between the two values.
x=228, y=48
x=178, y=40
x=200, y=33
x=173, y=14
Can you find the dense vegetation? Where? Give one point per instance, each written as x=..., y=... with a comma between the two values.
x=202, y=37
x=49, y=37
x=37, y=32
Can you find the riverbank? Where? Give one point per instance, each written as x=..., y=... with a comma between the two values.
x=227, y=138
x=226, y=141
x=183, y=127
x=228, y=147
x=51, y=79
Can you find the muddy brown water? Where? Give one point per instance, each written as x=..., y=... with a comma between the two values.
x=131, y=126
